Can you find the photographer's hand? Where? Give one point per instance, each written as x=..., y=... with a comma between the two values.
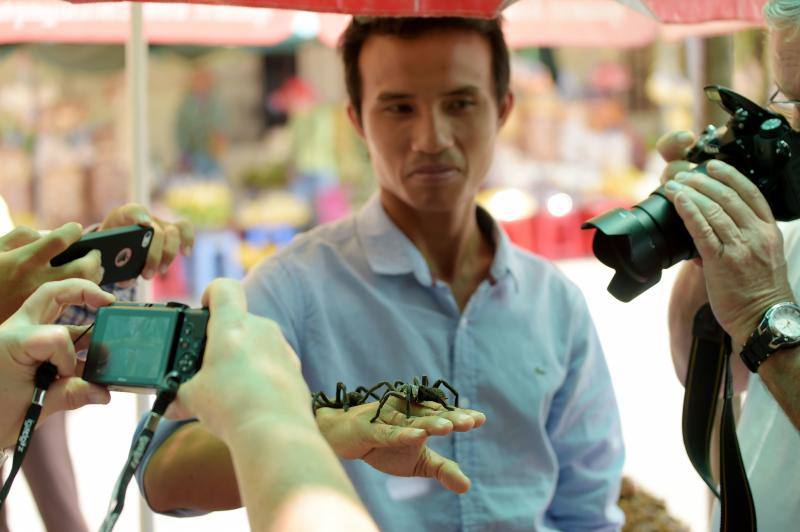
x=25, y=263
x=739, y=242
x=395, y=444
x=168, y=238
x=250, y=394
x=27, y=340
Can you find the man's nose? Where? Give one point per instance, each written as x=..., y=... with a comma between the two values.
x=432, y=133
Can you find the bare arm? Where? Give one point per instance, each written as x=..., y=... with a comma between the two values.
x=191, y=469
x=279, y=493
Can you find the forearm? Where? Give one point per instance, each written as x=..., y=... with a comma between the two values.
x=290, y=479
x=781, y=374
x=192, y=469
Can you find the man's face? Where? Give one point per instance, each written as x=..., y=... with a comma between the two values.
x=429, y=116
x=785, y=54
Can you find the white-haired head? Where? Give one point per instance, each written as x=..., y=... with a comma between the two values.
x=783, y=15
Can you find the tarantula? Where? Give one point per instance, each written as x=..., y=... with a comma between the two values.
x=417, y=392
x=345, y=399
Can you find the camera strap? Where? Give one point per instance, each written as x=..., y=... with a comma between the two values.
x=45, y=375
x=166, y=394
x=708, y=363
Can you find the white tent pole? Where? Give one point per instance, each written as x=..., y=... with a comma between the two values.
x=136, y=83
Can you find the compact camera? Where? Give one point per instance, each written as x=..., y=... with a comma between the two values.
x=135, y=345
x=640, y=242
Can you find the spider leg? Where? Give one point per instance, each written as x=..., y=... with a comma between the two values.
x=386, y=396
x=341, y=396
x=424, y=380
x=371, y=391
x=409, y=398
x=320, y=400
x=447, y=385
x=365, y=393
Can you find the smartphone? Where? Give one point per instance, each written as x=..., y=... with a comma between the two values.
x=123, y=251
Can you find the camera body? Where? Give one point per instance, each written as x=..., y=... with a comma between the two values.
x=642, y=241
x=134, y=346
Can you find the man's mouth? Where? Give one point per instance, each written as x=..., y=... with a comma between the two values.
x=435, y=172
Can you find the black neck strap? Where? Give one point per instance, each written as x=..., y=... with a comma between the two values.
x=45, y=374
x=166, y=394
x=709, y=361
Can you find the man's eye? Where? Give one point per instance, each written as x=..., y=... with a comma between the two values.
x=460, y=105
x=399, y=108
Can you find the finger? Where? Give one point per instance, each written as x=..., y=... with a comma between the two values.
x=391, y=436
x=705, y=239
x=53, y=243
x=186, y=235
x=18, y=237
x=225, y=296
x=46, y=303
x=71, y=393
x=171, y=244
x=745, y=188
x=462, y=422
x=674, y=168
x=431, y=424
x=433, y=465
x=154, y=254
x=49, y=343
x=129, y=214
x=721, y=194
x=720, y=222
x=89, y=267
x=674, y=146
x=479, y=418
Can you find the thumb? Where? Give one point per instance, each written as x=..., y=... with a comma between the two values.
x=71, y=393
x=433, y=465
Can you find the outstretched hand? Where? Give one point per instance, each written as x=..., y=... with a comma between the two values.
x=397, y=445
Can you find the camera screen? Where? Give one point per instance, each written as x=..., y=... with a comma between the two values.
x=135, y=347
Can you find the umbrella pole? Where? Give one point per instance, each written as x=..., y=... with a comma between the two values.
x=136, y=82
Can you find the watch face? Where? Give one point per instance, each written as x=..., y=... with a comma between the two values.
x=785, y=321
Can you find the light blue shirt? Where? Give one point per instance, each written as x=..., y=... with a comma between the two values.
x=357, y=302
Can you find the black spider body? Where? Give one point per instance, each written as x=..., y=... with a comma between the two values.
x=345, y=399
x=418, y=392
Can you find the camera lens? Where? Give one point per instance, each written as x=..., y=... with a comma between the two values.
x=639, y=243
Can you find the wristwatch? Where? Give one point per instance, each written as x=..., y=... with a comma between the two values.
x=778, y=329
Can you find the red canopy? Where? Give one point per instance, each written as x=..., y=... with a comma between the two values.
x=694, y=11
x=464, y=8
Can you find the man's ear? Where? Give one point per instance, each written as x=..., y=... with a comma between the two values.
x=355, y=120
x=506, y=105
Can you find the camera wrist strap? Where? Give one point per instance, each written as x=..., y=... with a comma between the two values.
x=709, y=362
x=45, y=375
x=166, y=394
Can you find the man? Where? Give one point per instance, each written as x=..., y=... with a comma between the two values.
x=745, y=269
x=422, y=282
x=285, y=441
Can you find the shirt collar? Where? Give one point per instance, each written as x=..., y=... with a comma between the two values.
x=390, y=252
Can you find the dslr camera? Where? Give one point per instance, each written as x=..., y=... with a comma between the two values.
x=136, y=345
x=640, y=242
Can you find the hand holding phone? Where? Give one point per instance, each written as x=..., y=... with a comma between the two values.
x=123, y=251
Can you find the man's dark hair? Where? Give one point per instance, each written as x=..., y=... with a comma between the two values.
x=361, y=28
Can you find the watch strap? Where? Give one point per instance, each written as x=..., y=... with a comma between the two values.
x=757, y=349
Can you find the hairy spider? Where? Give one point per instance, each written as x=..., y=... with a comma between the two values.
x=418, y=392
x=345, y=399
